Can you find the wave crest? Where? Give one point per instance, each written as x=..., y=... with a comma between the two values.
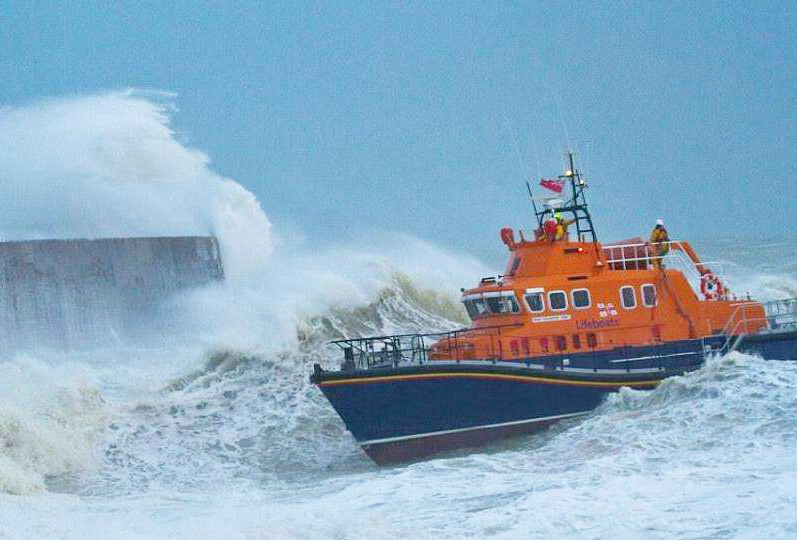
x=51, y=424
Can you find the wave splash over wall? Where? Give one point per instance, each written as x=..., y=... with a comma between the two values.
x=111, y=166
x=109, y=170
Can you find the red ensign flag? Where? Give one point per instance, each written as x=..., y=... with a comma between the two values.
x=554, y=184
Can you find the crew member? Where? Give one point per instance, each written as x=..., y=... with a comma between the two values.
x=660, y=242
x=549, y=228
x=562, y=225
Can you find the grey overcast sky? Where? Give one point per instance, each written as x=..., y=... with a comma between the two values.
x=428, y=118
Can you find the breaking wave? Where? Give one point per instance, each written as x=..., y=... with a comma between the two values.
x=217, y=432
x=51, y=423
x=227, y=389
x=246, y=411
x=110, y=165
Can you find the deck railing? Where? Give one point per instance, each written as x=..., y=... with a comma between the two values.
x=638, y=256
x=779, y=316
x=394, y=350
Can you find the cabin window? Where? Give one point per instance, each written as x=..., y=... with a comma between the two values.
x=501, y=303
x=535, y=301
x=512, y=303
x=592, y=341
x=580, y=298
x=628, y=297
x=649, y=295
x=557, y=300
x=472, y=313
x=561, y=343
x=494, y=304
x=476, y=308
x=544, y=344
x=576, y=341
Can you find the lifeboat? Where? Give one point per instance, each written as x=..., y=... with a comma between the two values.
x=568, y=322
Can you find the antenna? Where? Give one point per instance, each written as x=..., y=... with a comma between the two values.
x=523, y=169
x=531, y=196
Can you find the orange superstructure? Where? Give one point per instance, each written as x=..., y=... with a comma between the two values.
x=566, y=297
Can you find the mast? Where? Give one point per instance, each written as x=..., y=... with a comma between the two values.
x=576, y=207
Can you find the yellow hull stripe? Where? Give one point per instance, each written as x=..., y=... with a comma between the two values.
x=499, y=376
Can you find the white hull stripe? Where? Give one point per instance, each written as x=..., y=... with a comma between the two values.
x=462, y=430
x=654, y=356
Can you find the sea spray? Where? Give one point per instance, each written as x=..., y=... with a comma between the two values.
x=110, y=165
x=51, y=420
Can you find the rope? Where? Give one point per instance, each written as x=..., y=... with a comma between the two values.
x=678, y=307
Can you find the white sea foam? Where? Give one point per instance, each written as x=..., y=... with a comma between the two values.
x=110, y=165
x=51, y=418
x=764, y=269
x=218, y=433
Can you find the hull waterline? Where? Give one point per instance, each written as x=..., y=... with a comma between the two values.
x=404, y=414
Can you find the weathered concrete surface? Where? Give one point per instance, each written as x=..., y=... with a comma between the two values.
x=70, y=294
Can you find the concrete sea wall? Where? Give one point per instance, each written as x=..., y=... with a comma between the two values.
x=69, y=294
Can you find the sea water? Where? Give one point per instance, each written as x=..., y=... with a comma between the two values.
x=236, y=443
x=214, y=431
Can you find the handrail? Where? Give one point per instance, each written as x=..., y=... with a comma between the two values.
x=779, y=315
x=427, y=334
x=732, y=335
x=680, y=252
x=741, y=307
x=395, y=349
x=682, y=248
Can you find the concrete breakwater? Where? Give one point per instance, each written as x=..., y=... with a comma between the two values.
x=71, y=294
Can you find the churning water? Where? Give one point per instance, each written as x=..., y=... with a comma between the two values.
x=217, y=433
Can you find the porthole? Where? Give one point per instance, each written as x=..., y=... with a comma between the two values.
x=628, y=297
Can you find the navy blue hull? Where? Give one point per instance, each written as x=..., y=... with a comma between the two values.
x=401, y=415
x=410, y=412
x=781, y=346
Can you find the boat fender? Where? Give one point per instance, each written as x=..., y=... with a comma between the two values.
x=508, y=236
x=710, y=286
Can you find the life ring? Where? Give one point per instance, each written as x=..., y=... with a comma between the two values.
x=711, y=286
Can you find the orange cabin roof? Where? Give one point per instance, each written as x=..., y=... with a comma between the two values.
x=585, y=294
